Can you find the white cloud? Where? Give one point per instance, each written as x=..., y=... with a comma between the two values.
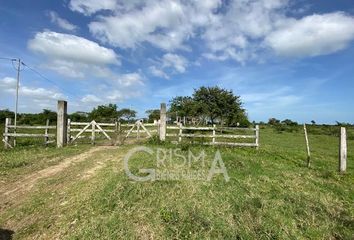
x=88, y=7
x=8, y=85
x=66, y=68
x=237, y=33
x=72, y=48
x=238, y=30
x=116, y=95
x=179, y=63
x=77, y=70
x=63, y=23
x=73, y=56
x=249, y=27
x=158, y=72
x=130, y=80
x=165, y=24
x=313, y=35
x=40, y=93
x=90, y=98
x=120, y=96
x=169, y=62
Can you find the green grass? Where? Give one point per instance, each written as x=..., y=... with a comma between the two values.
x=271, y=195
x=27, y=159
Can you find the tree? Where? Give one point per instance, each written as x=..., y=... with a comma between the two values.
x=104, y=113
x=313, y=122
x=126, y=114
x=153, y=114
x=37, y=118
x=6, y=113
x=79, y=116
x=183, y=107
x=273, y=121
x=48, y=114
x=289, y=122
x=219, y=104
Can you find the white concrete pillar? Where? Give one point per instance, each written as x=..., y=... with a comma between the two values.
x=62, y=124
x=163, y=122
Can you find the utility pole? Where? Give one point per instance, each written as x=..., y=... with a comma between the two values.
x=17, y=87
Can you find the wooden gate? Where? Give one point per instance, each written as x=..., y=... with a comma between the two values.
x=92, y=127
x=140, y=129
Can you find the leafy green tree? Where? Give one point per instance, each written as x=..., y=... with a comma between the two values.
x=219, y=104
x=211, y=103
x=153, y=114
x=6, y=113
x=79, y=117
x=48, y=114
x=289, y=122
x=37, y=118
x=126, y=114
x=273, y=121
x=104, y=113
x=182, y=107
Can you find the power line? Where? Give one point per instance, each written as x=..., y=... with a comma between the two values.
x=47, y=79
x=6, y=58
x=18, y=69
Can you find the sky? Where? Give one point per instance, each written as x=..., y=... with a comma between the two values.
x=285, y=58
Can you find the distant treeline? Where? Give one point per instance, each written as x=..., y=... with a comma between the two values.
x=103, y=113
x=288, y=125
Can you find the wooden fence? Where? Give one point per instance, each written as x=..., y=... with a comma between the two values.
x=138, y=130
x=215, y=135
x=12, y=132
x=91, y=130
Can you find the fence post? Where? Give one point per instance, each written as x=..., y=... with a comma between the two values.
x=68, y=137
x=307, y=147
x=163, y=122
x=46, y=138
x=180, y=132
x=214, y=126
x=158, y=127
x=93, y=132
x=61, y=123
x=138, y=129
x=342, y=150
x=257, y=137
x=7, y=138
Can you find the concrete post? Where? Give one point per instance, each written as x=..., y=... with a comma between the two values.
x=7, y=138
x=163, y=122
x=68, y=132
x=46, y=131
x=257, y=137
x=61, y=124
x=343, y=150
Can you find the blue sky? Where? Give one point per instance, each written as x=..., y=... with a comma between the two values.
x=286, y=59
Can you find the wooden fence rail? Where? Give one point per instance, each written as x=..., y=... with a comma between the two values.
x=11, y=131
x=216, y=135
x=89, y=127
x=77, y=130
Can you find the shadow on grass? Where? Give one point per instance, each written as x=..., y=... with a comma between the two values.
x=6, y=234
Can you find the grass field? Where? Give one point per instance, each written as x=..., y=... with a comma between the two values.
x=83, y=192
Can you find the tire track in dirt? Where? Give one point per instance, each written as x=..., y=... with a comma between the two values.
x=25, y=184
